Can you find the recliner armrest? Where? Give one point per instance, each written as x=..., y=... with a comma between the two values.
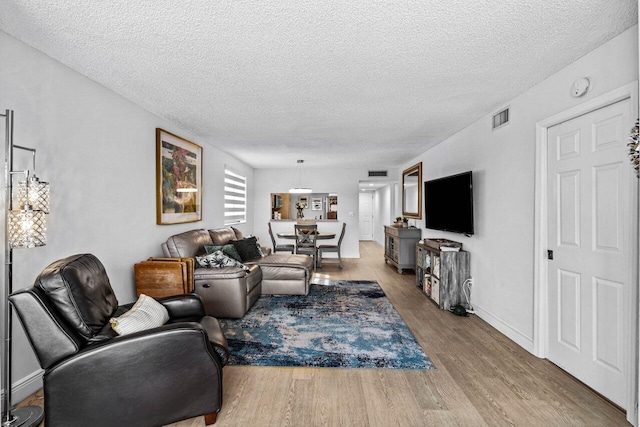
x=186, y=306
x=145, y=375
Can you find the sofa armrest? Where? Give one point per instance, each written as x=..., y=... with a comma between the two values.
x=203, y=273
x=185, y=306
x=165, y=249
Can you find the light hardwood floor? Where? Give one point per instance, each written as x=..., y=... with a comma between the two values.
x=481, y=377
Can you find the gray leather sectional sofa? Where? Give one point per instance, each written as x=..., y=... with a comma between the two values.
x=229, y=292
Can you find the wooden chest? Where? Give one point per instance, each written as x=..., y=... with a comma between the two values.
x=161, y=277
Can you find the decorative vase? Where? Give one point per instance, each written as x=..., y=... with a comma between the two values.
x=300, y=214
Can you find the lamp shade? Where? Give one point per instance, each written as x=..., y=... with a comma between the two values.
x=300, y=190
x=27, y=228
x=34, y=193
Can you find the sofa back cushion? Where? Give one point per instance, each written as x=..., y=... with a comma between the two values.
x=222, y=236
x=188, y=244
x=239, y=234
x=79, y=289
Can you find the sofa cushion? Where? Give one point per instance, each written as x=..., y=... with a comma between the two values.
x=188, y=244
x=288, y=260
x=239, y=234
x=248, y=248
x=203, y=273
x=229, y=250
x=79, y=288
x=222, y=236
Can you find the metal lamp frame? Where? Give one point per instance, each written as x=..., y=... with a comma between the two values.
x=27, y=415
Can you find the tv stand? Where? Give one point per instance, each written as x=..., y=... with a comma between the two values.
x=441, y=269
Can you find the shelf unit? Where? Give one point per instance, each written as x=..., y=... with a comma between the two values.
x=399, y=244
x=441, y=272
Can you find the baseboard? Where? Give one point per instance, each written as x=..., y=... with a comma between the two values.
x=513, y=334
x=25, y=387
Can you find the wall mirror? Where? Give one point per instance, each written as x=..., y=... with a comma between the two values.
x=411, y=192
x=289, y=207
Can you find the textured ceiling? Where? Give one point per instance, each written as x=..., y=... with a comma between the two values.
x=346, y=83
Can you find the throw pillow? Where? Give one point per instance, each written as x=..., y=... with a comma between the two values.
x=229, y=250
x=262, y=254
x=219, y=260
x=247, y=248
x=146, y=313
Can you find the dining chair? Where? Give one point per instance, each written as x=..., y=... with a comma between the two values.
x=279, y=248
x=306, y=241
x=332, y=248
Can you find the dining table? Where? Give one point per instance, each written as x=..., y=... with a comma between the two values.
x=319, y=236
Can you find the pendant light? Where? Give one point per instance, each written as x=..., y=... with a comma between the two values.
x=298, y=188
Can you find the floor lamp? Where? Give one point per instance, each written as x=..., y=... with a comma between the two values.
x=24, y=228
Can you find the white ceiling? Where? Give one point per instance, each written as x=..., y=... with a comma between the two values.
x=339, y=83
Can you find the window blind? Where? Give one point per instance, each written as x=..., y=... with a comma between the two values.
x=235, y=198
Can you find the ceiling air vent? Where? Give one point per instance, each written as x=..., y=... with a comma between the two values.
x=378, y=173
x=500, y=119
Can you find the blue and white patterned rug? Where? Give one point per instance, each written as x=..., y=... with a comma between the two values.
x=340, y=324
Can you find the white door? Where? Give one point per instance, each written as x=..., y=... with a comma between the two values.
x=366, y=215
x=589, y=221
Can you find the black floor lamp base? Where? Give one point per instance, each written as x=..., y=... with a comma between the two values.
x=25, y=416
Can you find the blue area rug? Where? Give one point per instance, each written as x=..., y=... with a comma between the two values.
x=340, y=324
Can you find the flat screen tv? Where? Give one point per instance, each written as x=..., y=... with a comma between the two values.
x=448, y=203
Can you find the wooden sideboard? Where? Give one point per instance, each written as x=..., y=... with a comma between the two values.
x=441, y=273
x=399, y=246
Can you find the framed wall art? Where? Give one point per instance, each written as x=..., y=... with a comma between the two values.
x=178, y=179
x=316, y=203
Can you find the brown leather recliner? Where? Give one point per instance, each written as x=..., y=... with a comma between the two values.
x=94, y=377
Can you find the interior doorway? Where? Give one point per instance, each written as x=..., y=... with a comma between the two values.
x=366, y=215
x=589, y=241
x=586, y=246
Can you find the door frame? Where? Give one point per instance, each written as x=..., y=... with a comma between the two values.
x=540, y=275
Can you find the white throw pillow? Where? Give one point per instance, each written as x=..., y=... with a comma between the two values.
x=146, y=313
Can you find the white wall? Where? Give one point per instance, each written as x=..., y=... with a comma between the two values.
x=343, y=182
x=503, y=165
x=97, y=150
